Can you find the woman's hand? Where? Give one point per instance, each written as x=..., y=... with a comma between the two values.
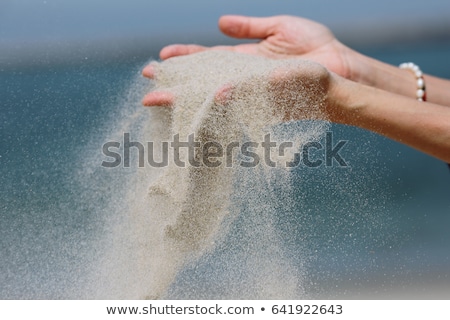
x=282, y=37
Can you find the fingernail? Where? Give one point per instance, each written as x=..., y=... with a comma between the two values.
x=149, y=71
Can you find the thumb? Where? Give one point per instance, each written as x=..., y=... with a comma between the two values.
x=224, y=95
x=248, y=27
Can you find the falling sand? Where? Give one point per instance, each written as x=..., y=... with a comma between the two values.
x=175, y=215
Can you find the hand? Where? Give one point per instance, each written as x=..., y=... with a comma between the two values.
x=281, y=37
x=291, y=89
x=295, y=91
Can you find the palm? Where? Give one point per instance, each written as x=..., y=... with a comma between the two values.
x=281, y=37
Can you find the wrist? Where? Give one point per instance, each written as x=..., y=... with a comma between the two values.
x=339, y=103
x=363, y=69
x=377, y=74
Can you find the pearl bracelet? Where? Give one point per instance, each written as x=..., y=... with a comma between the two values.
x=420, y=93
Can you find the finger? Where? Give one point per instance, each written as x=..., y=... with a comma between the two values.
x=224, y=95
x=149, y=71
x=158, y=99
x=180, y=50
x=248, y=27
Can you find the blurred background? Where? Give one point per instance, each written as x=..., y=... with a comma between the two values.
x=65, y=66
x=39, y=32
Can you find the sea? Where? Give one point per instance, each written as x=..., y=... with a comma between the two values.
x=378, y=227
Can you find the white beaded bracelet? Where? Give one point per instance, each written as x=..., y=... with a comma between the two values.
x=420, y=93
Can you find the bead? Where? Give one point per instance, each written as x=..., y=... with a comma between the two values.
x=420, y=83
x=420, y=93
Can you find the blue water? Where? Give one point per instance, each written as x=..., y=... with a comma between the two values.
x=381, y=223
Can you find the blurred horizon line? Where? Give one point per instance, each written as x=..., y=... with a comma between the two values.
x=56, y=52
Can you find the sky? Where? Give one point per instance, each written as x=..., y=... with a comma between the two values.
x=28, y=25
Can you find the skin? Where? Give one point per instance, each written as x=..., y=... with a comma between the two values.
x=360, y=91
x=423, y=126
